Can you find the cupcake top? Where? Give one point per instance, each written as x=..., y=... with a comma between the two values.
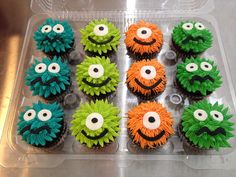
x=96, y=123
x=150, y=124
x=41, y=124
x=198, y=75
x=100, y=36
x=48, y=77
x=207, y=125
x=97, y=75
x=192, y=37
x=54, y=36
x=144, y=37
x=146, y=76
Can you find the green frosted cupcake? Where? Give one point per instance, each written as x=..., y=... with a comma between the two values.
x=96, y=124
x=100, y=37
x=54, y=37
x=97, y=76
x=191, y=37
x=206, y=126
x=198, y=77
x=42, y=125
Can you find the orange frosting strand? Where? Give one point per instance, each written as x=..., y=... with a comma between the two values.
x=135, y=122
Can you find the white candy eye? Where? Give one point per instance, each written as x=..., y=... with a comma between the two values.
x=54, y=68
x=200, y=114
x=199, y=26
x=40, y=68
x=58, y=28
x=144, y=32
x=191, y=67
x=151, y=120
x=206, y=66
x=44, y=115
x=94, y=121
x=148, y=72
x=100, y=30
x=217, y=115
x=29, y=115
x=96, y=71
x=46, y=29
x=187, y=26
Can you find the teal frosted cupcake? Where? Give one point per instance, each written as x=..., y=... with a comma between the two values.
x=48, y=78
x=54, y=37
x=42, y=125
x=97, y=77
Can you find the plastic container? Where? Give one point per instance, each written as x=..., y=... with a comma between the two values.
x=16, y=153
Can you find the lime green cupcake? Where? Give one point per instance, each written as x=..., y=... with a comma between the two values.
x=97, y=77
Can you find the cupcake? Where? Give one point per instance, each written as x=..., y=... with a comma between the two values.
x=198, y=77
x=54, y=37
x=48, y=78
x=146, y=79
x=96, y=124
x=149, y=125
x=206, y=126
x=100, y=37
x=97, y=77
x=143, y=40
x=191, y=38
x=42, y=125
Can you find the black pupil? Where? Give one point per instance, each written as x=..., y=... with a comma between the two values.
x=148, y=71
x=200, y=26
x=188, y=26
x=191, y=67
x=200, y=114
x=151, y=119
x=217, y=115
x=144, y=32
x=206, y=66
x=58, y=28
x=29, y=114
x=54, y=67
x=44, y=114
x=101, y=28
x=95, y=70
x=46, y=28
x=94, y=120
x=40, y=67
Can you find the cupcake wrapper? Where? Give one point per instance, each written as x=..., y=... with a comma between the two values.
x=137, y=56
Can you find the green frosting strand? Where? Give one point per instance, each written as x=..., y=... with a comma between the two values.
x=109, y=122
x=184, y=77
x=106, y=44
x=110, y=72
x=191, y=125
x=193, y=40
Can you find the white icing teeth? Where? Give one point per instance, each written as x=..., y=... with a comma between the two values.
x=199, y=26
x=200, y=114
x=94, y=121
x=148, y=72
x=187, y=26
x=100, y=30
x=29, y=115
x=96, y=71
x=205, y=66
x=58, y=28
x=191, y=67
x=144, y=33
x=40, y=68
x=54, y=68
x=46, y=29
x=44, y=115
x=217, y=115
x=151, y=120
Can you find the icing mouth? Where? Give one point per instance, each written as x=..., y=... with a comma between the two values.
x=188, y=38
x=35, y=131
x=95, y=137
x=57, y=38
x=39, y=79
x=201, y=79
x=100, y=43
x=157, y=137
x=148, y=87
x=209, y=132
x=144, y=43
x=96, y=85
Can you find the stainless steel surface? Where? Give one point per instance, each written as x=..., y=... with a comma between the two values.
x=14, y=17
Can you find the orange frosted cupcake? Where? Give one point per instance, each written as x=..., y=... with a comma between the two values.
x=143, y=40
x=150, y=125
x=146, y=79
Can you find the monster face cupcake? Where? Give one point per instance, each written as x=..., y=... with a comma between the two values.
x=100, y=37
x=42, y=125
x=97, y=77
x=143, y=40
x=146, y=79
x=54, y=37
x=198, y=77
x=206, y=126
x=96, y=124
x=150, y=125
x=48, y=78
x=191, y=37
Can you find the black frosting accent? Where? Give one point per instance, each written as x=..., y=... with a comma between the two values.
x=144, y=43
x=217, y=131
x=96, y=85
x=188, y=38
x=148, y=87
x=100, y=43
x=95, y=137
x=151, y=138
x=39, y=79
x=201, y=79
x=35, y=131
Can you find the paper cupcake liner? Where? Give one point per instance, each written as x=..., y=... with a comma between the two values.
x=137, y=56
